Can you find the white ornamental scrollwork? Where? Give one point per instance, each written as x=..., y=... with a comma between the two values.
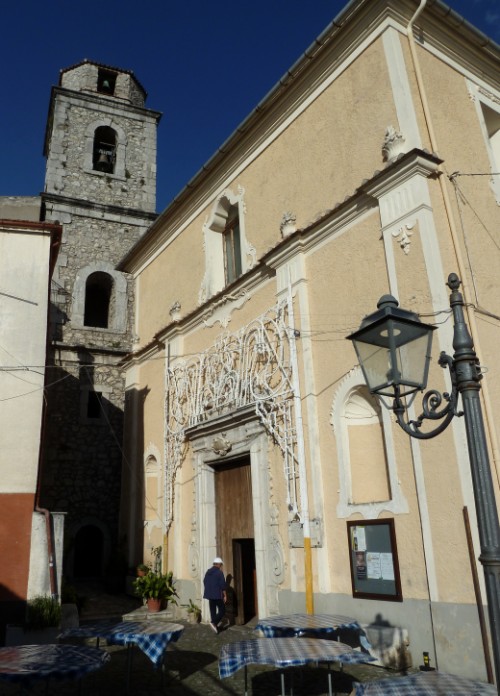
x=276, y=561
x=249, y=367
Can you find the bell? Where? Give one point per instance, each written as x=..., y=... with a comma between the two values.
x=104, y=163
x=106, y=86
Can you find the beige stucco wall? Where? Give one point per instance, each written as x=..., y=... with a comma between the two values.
x=330, y=145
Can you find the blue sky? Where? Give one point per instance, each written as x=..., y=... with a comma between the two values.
x=205, y=66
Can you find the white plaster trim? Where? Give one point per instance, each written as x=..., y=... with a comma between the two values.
x=345, y=508
x=479, y=97
x=251, y=439
x=214, y=278
x=411, y=202
x=401, y=89
x=152, y=452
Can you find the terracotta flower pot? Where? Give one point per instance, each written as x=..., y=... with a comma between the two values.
x=154, y=605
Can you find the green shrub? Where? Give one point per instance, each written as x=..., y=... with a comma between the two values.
x=43, y=612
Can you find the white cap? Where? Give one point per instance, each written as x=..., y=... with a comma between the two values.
x=218, y=560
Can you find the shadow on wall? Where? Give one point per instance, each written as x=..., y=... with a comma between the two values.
x=81, y=471
x=389, y=644
x=12, y=610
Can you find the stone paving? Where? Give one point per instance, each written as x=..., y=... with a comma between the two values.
x=191, y=666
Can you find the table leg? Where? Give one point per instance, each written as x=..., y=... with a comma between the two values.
x=246, y=681
x=283, y=683
x=330, y=693
x=129, y=668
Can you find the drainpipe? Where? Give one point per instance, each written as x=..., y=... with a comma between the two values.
x=166, y=527
x=56, y=243
x=304, y=496
x=471, y=317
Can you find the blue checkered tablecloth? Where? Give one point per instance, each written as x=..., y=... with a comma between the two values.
x=152, y=637
x=312, y=626
x=285, y=652
x=426, y=684
x=30, y=662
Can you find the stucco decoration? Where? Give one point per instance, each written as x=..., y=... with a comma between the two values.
x=251, y=367
x=394, y=144
x=194, y=560
x=403, y=235
x=175, y=311
x=288, y=226
x=221, y=445
x=221, y=311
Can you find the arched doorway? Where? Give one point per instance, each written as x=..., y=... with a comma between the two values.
x=88, y=552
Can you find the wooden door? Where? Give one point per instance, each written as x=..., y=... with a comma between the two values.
x=234, y=520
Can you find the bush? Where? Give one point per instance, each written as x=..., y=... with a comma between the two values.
x=43, y=612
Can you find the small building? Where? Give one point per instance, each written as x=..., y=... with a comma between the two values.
x=30, y=538
x=371, y=168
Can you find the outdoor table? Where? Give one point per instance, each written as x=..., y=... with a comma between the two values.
x=312, y=626
x=27, y=663
x=151, y=637
x=433, y=683
x=285, y=652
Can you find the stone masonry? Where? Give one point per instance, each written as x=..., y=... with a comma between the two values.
x=103, y=214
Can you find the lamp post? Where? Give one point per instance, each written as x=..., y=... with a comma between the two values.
x=394, y=349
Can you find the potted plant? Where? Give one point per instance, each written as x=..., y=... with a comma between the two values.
x=156, y=590
x=142, y=569
x=193, y=611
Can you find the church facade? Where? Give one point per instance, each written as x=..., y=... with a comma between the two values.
x=247, y=419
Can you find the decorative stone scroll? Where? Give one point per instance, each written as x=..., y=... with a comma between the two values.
x=249, y=367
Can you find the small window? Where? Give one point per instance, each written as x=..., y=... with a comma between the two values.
x=232, y=246
x=106, y=82
x=104, y=155
x=97, y=300
x=94, y=405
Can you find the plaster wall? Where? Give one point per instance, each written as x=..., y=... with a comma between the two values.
x=25, y=259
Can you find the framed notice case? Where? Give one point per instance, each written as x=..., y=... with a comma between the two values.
x=374, y=560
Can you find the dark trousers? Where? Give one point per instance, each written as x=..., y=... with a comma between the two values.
x=217, y=610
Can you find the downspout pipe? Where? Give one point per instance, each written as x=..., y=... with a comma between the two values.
x=55, y=245
x=471, y=317
x=304, y=494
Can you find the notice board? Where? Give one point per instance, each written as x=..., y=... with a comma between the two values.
x=374, y=560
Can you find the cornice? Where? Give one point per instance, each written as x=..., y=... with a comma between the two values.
x=403, y=168
x=100, y=207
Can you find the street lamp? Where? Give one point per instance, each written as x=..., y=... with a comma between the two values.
x=393, y=348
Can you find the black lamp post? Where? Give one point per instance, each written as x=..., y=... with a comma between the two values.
x=394, y=349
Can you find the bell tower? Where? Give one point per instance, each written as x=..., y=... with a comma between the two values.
x=100, y=184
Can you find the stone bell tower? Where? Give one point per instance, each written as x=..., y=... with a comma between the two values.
x=100, y=184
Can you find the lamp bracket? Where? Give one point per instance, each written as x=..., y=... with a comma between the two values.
x=432, y=406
